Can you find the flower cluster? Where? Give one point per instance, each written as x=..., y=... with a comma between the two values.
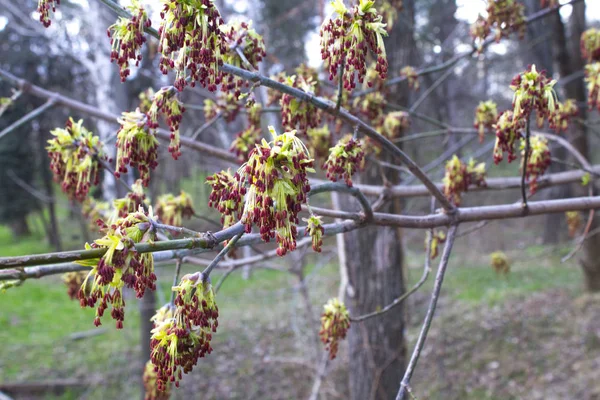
x=73, y=281
x=508, y=130
x=314, y=229
x=346, y=40
x=559, y=119
x=94, y=210
x=245, y=141
x=191, y=42
x=226, y=196
x=319, y=142
x=136, y=145
x=127, y=37
x=438, y=237
x=395, y=124
x=165, y=102
x=151, y=388
x=335, y=322
x=411, y=76
x=590, y=45
x=44, y=7
x=145, y=99
x=500, y=262
x=276, y=173
x=75, y=155
x=371, y=106
x=241, y=37
x=533, y=91
x=486, y=115
x=345, y=158
x=178, y=343
x=539, y=160
x=504, y=16
x=459, y=176
x=120, y=266
x=390, y=10
x=573, y=222
x=225, y=105
x=171, y=210
x=296, y=113
x=132, y=202
x=592, y=79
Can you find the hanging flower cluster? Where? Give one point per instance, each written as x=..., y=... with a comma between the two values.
x=191, y=42
x=245, y=140
x=590, y=45
x=573, y=222
x=73, y=281
x=296, y=113
x=559, y=119
x=533, y=91
x=390, y=10
x=438, y=237
x=500, y=263
x=165, y=102
x=411, y=76
x=226, y=196
x=592, y=79
x=276, y=174
x=486, y=115
x=314, y=229
x=345, y=158
x=151, y=388
x=539, y=160
x=134, y=199
x=395, y=124
x=508, y=130
x=240, y=36
x=371, y=106
x=127, y=37
x=171, y=210
x=120, y=266
x=346, y=40
x=335, y=322
x=146, y=98
x=94, y=210
x=319, y=142
x=75, y=155
x=136, y=145
x=226, y=104
x=503, y=16
x=44, y=7
x=459, y=176
x=178, y=343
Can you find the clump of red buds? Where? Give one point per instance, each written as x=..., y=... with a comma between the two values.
x=298, y=114
x=94, y=210
x=345, y=158
x=539, y=160
x=165, y=102
x=127, y=37
x=178, y=343
x=533, y=91
x=121, y=266
x=75, y=154
x=171, y=209
x=411, y=76
x=573, y=222
x=437, y=238
x=44, y=7
x=314, y=229
x=371, y=106
x=559, y=119
x=508, y=130
x=335, y=322
x=73, y=281
x=592, y=79
x=132, y=202
x=136, y=145
x=503, y=16
x=191, y=42
x=459, y=176
x=590, y=45
x=276, y=175
x=486, y=115
x=500, y=263
x=151, y=390
x=246, y=49
x=347, y=38
x=319, y=142
x=226, y=196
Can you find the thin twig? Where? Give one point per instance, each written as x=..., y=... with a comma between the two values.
x=180, y=230
x=206, y=125
x=340, y=93
x=222, y=254
x=28, y=117
x=175, y=280
x=525, y=162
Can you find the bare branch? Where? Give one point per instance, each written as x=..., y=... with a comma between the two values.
x=30, y=116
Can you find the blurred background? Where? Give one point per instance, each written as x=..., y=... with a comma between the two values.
x=533, y=333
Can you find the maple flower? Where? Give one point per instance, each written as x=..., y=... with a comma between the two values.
x=438, y=237
x=298, y=114
x=459, y=176
x=533, y=91
x=347, y=38
x=171, y=209
x=395, y=124
x=44, y=8
x=508, y=130
x=573, y=222
x=335, y=322
x=345, y=158
x=152, y=391
x=136, y=145
x=75, y=155
x=276, y=176
x=226, y=104
x=226, y=196
x=319, y=142
x=592, y=79
x=539, y=160
x=590, y=45
x=165, y=102
x=486, y=116
x=73, y=281
x=314, y=229
x=94, y=210
x=178, y=342
x=500, y=262
x=503, y=16
x=121, y=266
x=127, y=37
x=390, y=10
x=559, y=119
x=131, y=202
x=411, y=76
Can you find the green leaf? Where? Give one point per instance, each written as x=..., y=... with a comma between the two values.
x=585, y=179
